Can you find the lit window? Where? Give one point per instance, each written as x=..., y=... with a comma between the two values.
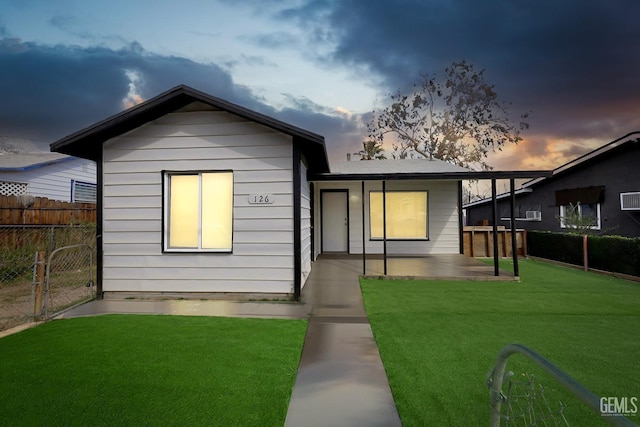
x=199, y=211
x=406, y=215
x=580, y=215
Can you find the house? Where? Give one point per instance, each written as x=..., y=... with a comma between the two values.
x=422, y=212
x=603, y=185
x=200, y=196
x=51, y=175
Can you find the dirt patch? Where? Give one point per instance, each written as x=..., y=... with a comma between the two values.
x=16, y=302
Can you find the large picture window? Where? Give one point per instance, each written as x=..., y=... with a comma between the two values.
x=198, y=211
x=406, y=215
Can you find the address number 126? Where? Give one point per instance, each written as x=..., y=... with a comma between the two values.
x=260, y=199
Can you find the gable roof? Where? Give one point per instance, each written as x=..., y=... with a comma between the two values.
x=87, y=142
x=27, y=161
x=592, y=156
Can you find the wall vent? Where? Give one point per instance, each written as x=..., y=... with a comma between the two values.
x=630, y=201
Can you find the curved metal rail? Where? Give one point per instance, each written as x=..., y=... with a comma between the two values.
x=496, y=380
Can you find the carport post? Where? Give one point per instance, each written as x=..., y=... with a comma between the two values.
x=384, y=224
x=514, y=240
x=494, y=205
x=364, y=255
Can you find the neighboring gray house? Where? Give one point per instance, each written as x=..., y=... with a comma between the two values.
x=197, y=195
x=51, y=175
x=604, y=182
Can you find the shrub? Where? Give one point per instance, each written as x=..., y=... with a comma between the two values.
x=556, y=246
x=615, y=253
x=609, y=253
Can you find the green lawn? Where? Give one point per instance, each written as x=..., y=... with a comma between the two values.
x=150, y=370
x=439, y=339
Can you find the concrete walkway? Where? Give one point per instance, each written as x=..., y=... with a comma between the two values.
x=277, y=310
x=341, y=380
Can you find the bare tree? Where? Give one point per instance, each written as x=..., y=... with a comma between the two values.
x=458, y=120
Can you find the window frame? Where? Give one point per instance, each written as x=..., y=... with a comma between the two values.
x=74, y=191
x=166, y=214
x=563, y=212
x=400, y=239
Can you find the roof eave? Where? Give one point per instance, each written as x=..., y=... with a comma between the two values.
x=87, y=142
x=472, y=175
x=34, y=165
x=498, y=197
x=590, y=156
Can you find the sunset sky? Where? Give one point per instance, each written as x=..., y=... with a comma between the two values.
x=323, y=65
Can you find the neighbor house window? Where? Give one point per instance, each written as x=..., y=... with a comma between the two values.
x=198, y=211
x=83, y=192
x=580, y=215
x=406, y=215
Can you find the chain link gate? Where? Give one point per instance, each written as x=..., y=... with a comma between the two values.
x=24, y=252
x=69, y=278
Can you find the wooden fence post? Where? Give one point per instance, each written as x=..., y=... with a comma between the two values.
x=38, y=299
x=585, y=252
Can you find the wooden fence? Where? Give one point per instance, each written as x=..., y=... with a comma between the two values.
x=478, y=242
x=27, y=210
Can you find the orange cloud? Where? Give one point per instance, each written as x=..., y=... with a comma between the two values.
x=133, y=97
x=132, y=100
x=542, y=152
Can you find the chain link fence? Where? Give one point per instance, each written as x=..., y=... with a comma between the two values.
x=526, y=404
x=24, y=250
x=523, y=402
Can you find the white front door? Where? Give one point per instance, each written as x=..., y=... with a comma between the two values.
x=335, y=221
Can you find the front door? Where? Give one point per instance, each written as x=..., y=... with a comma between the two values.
x=335, y=221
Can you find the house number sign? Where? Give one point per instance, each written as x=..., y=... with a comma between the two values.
x=261, y=199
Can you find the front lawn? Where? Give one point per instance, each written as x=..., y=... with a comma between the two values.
x=438, y=339
x=150, y=370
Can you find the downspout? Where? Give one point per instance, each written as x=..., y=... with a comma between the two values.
x=312, y=233
x=99, y=217
x=460, y=219
x=297, y=233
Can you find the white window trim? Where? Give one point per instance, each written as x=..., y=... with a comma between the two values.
x=563, y=210
x=504, y=218
x=166, y=177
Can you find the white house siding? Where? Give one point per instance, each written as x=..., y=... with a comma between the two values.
x=442, y=214
x=53, y=181
x=261, y=161
x=305, y=223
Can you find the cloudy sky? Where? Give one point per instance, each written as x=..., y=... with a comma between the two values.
x=323, y=65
